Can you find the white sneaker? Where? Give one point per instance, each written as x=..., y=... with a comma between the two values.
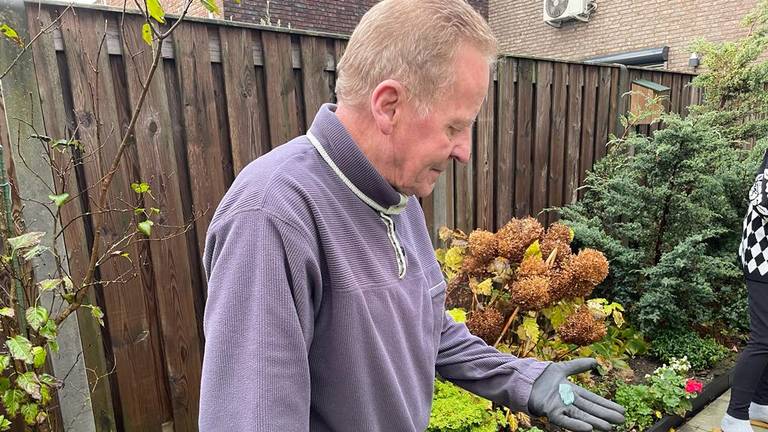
x=758, y=415
x=730, y=424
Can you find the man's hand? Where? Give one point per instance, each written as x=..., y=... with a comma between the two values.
x=568, y=405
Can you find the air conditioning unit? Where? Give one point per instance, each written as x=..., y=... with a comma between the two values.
x=557, y=11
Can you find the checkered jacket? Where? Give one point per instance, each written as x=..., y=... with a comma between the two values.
x=753, y=251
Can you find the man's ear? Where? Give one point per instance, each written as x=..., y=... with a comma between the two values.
x=387, y=102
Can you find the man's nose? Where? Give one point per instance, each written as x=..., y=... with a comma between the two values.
x=463, y=151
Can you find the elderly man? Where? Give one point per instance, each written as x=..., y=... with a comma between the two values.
x=326, y=304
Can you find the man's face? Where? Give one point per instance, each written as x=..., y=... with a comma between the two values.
x=425, y=146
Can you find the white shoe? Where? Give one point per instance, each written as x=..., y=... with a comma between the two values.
x=730, y=424
x=758, y=415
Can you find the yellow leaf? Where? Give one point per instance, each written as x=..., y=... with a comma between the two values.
x=529, y=330
x=512, y=420
x=658, y=414
x=458, y=314
x=618, y=318
x=572, y=233
x=551, y=258
x=453, y=259
x=11, y=34
x=146, y=34
x=156, y=10
x=533, y=250
x=484, y=287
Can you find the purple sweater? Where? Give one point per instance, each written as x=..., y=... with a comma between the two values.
x=325, y=307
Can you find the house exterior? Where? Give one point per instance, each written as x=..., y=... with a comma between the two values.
x=638, y=31
x=332, y=16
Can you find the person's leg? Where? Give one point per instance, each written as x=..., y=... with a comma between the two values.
x=749, y=369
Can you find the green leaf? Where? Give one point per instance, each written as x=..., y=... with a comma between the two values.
x=5, y=384
x=60, y=199
x=21, y=348
x=27, y=240
x=458, y=314
x=146, y=227
x=48, y=380
x=6, y=311
x=49, y=330
x=37, y=316
x=53, y=345
x=11, y=34
x=49, y=284
x=29, y=383
x=5, y=361
x=62, y=144
x=12, y=399
x=156, y=11
x=146, y=33
x=154, y=210
x=140, y=188
x=29, y=411
x=38, y=355
x=98, y=314
x=211, y=6
x=138, y=211
x=5, y=424
x=35, y=252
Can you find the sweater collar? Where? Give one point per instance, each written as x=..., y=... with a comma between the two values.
x=343, y=155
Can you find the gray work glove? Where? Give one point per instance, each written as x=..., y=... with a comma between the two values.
x=568, y=405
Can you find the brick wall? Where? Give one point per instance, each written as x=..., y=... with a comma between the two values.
x=170, y=6
x=335, y=16
x=618, y=26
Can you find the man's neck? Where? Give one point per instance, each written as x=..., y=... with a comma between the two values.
x=362, y=129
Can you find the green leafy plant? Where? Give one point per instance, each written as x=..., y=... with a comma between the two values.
x=667, y=391
x=665, y=212
x=701, y=353
x=457, y=410
x=734, y=80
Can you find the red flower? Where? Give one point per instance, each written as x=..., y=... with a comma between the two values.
x=693, y=386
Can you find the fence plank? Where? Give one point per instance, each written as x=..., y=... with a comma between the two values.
x=505, y=141
x=243, y=102
x=174, y=291
x=207, y=176
x=524, y=138
x=587, y=150
x=484, y=161
x=542, y=139
x=571, y=172
x=558, y=138
x=604, y=119
x=677, y=93
x=317, y=87
x=685, y=95
x=281, y=87
x=77, y=248
x=144, y=404
x=464, y=202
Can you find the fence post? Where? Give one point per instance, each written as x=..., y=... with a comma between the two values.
x=20, y=93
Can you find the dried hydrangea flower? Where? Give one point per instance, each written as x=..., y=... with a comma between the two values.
x=482, y=245
x=590, y=266
x=531, y=293
x=532, y=266
x=581, y=328
x=514, y=238
x=486, y=324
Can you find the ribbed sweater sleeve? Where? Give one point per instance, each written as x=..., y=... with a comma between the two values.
x=258, y=325
x=470, y=363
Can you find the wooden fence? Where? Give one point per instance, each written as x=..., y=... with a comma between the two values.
x=227, y=94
